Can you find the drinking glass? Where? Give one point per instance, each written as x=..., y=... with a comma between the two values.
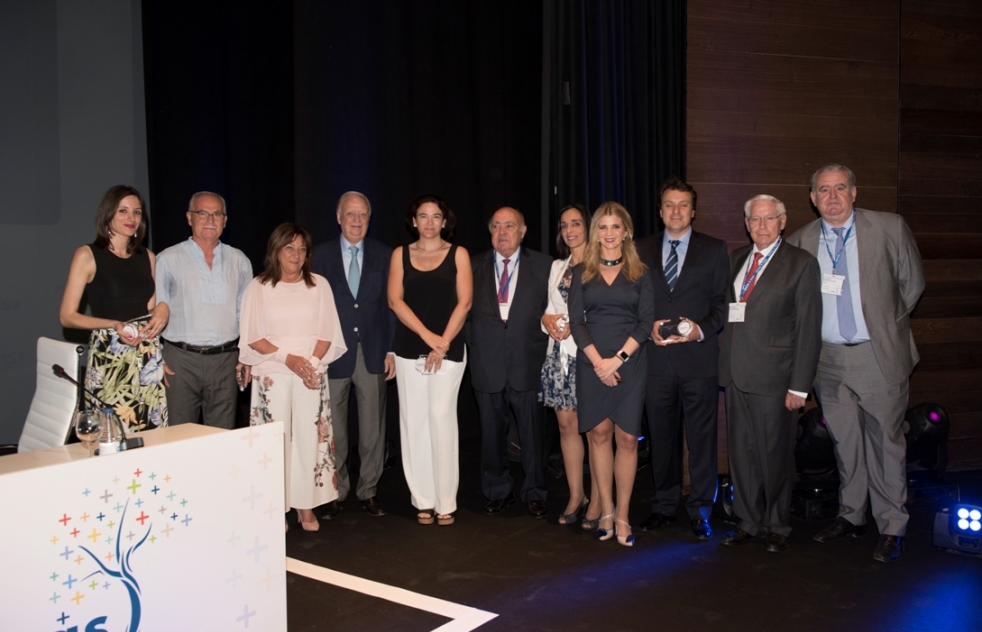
x=88, y=427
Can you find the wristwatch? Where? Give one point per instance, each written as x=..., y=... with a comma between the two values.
x=623, y=355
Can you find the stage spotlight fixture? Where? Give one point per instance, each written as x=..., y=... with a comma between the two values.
x=958, y=529
x=813, y=451
x=926, y=428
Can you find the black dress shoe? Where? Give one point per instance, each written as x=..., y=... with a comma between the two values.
x=656, y=521
x=373, y=507
x=331, y=510
x=736, y=538
x=776, y=542
x=701, y=529
x=839, y=529
x=890, y=548
x=495, y=507
x=537, y=508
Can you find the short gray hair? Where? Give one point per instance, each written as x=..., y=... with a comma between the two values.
x=778, y=204
x=347, y=194
x=203, y=194
x=834, y=167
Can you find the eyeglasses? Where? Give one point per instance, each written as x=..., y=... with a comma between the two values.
x=755, y=221
x=217, y=215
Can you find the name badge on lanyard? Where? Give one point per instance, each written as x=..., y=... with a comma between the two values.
x=738, y=312
x=832, y=283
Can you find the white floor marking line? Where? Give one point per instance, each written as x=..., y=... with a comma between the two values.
x=464, y=618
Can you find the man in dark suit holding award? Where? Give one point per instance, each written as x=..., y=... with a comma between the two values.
x=871, y=280
x=689, y=272
x=507, y=347
x=767, y=364
x=358, y=270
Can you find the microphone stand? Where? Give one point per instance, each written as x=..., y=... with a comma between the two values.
x=124, y=443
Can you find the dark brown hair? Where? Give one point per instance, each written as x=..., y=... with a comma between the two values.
x=448, y=216
x=282, y=236
x=107, y=211
x=561, y=248
x=676, y=183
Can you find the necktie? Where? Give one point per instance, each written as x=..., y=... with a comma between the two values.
x=354, y=272
x=750, y=274
x=503, y=284
x=843, y=302
x=672, y=265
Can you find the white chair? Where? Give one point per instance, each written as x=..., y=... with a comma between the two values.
x=49, y=421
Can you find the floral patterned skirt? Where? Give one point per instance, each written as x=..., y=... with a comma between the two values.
x=130, y=379
x=311, y=475
x=557, y=389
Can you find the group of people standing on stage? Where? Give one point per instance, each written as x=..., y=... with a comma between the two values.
x=613, y=331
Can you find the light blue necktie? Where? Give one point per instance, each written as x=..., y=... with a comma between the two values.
x=672, y=265
x=354, y=272
x=843, y=302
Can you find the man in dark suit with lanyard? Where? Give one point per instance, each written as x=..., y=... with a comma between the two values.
x=358, y=270
x=507, y=347
x=871, y=280
x=767, y=363
x=689, y=272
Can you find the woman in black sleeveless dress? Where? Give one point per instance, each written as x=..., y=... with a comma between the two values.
x=430, y=289
x=116, y=275
x=611, y=311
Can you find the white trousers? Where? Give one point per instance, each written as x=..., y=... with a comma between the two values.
x=428, y=430
x=308, y=442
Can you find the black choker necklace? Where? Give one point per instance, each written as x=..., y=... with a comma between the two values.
x=611, y=262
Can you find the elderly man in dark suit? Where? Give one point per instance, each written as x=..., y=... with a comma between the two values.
x=767, y=364
x=358, y=270
x=689, y=272
x=871, y=280
x=507, y=348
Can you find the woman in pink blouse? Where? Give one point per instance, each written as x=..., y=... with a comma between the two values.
x=289, y=333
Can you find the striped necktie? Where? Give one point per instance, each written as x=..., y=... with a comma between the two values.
x=672, y=265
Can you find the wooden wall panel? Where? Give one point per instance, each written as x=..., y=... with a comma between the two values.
x=892, y=88
x=940, y=195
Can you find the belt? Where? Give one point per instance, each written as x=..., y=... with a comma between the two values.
x=231, y=345
x=846, y=344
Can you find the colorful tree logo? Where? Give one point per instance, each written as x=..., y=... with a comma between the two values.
x=87, y=575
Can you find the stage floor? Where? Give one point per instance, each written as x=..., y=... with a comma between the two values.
x=538, y=575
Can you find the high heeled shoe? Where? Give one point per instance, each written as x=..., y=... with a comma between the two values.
x=623, y=540
x=571, y=518
x=314, y=525
x=605, y=534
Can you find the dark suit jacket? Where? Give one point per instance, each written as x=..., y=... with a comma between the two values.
x=891, y=280
x=776, y=348
x=368, y=314
x=699, y=295
x=510, y=352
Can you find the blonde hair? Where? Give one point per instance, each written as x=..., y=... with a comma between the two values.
x=633, y=268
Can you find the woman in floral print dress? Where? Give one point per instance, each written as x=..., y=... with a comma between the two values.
x=115, y=274
x=289, y=333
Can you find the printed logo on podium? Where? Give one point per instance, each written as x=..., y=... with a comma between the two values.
x=97, y=544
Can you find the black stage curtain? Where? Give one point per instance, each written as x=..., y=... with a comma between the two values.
x=617, y=103
x=219, y=96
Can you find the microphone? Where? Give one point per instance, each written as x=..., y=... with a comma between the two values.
x=59, y=371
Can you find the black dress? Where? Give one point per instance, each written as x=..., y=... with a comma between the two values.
x=605, y=316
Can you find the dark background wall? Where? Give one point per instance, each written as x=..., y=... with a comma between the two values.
x=892, y=89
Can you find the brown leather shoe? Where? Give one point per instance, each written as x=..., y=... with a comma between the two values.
x=890, y=548
x=331, y=510
x=776, y=542
x=736, y=538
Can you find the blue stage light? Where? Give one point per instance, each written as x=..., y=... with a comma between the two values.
x=959, y=530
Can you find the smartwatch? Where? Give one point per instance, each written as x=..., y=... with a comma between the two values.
x=623, y=355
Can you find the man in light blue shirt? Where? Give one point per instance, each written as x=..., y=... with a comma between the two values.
x=202, y=280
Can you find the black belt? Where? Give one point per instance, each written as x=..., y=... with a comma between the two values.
x=847, y=344
x=232, y=345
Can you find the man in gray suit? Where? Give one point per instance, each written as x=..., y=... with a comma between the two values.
x=767, y=363
x=871, y=281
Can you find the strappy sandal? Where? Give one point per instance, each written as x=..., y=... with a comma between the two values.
x=425, y=516
x=444, y=519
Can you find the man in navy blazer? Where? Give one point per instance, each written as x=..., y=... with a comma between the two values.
x=358, y=270
x=507, y=347
x=689, y=272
